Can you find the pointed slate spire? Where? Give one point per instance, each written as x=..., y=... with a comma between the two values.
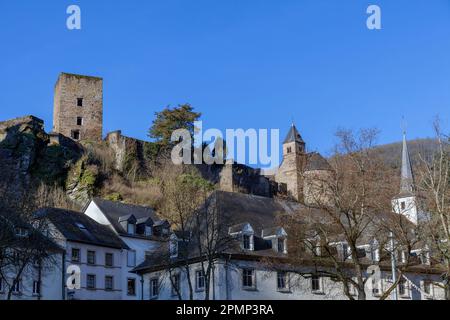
x=407, y=179
x=293, y=135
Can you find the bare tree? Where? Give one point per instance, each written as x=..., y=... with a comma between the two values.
x=434, y=188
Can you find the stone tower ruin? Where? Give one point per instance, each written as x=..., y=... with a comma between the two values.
x=78, y=107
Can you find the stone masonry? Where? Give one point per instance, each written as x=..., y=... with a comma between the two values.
x=78, y=107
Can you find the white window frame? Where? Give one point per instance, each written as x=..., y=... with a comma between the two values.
x=131, y=255
x=287, y=286
x=428, y=296
x=112, y=283
x=320, y=282
x=79, y=255
x=252, y=276
x=36, y=288
x=87, y=281
x=133, y=280
x=176, y=283
x=133, y=229
x=200, y=274
x=17, y=288
x=94, y=255
x=112, y=259
x=154, y=295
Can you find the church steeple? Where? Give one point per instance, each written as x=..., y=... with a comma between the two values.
x=407, y=178
x=405, y=203
x=293, y=143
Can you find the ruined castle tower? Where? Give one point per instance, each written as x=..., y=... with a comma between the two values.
x=78, y=107
x=292, y=167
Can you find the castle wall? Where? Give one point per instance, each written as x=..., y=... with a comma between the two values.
x=68, y=89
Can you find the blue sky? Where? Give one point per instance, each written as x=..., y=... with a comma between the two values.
x=243, y=64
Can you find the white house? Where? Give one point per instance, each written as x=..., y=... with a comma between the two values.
x=241, y=271
x=139, y=228
x=40, y=267
x=94, y=248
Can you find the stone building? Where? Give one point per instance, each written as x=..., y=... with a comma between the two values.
x=78, y=107
x=301, y=174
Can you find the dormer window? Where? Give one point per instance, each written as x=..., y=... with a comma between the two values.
x=246, y=242
x=148, y=231
x=128, y=224
x=282, y=245
x=173, y=246
x=131, y=228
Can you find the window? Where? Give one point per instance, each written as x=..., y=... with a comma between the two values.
x=16, y=287
x=376, y=290
x=403, y=288
x=281, y=245
x=154, y=288
x=36, y=287
x=403, y=205
x=109, y=283
x=1, y=285
x=248, y=278
x=131, y=286
x=175, y=284
x=131, y=228
x=131, y=258
x=345, y=254
x=173, y=248
x=282, y=281
x=148, y=231
x=289, y=150
x=200, y=280
x=316, y=284
x=246, y=240
x=428, y=287
x=90, y=281
x=79, y=121
x=79, y=102
x=91, y=257
x=109, y=259
x=75, y=255
x=76, y=134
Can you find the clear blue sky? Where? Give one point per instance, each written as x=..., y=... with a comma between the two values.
x=242, y=63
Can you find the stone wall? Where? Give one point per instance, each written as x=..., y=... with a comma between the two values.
x=68, y=89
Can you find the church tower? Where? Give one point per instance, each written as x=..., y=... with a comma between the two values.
x=405, y=202
x=294, y=161
x=78, y=107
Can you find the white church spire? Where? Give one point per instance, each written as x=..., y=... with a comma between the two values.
x=407, y=179
x=405, y=202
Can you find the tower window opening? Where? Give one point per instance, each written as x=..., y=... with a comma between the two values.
x=403, y=205
x=79, y=102
x=79, y=121
x=76, y=134
x=289, y=150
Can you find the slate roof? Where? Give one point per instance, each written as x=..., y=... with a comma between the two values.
x=293, y=135
x=315, y=161
x=114, y=211
x=78, y=227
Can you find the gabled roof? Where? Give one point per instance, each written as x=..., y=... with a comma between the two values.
x=114, y=211
x=315, y=161
x=78, y=227
x=293, y=135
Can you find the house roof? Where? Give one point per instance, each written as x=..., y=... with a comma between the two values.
x=78, y=227
x=293, y=136
x=315, y=161
x=115, y=211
